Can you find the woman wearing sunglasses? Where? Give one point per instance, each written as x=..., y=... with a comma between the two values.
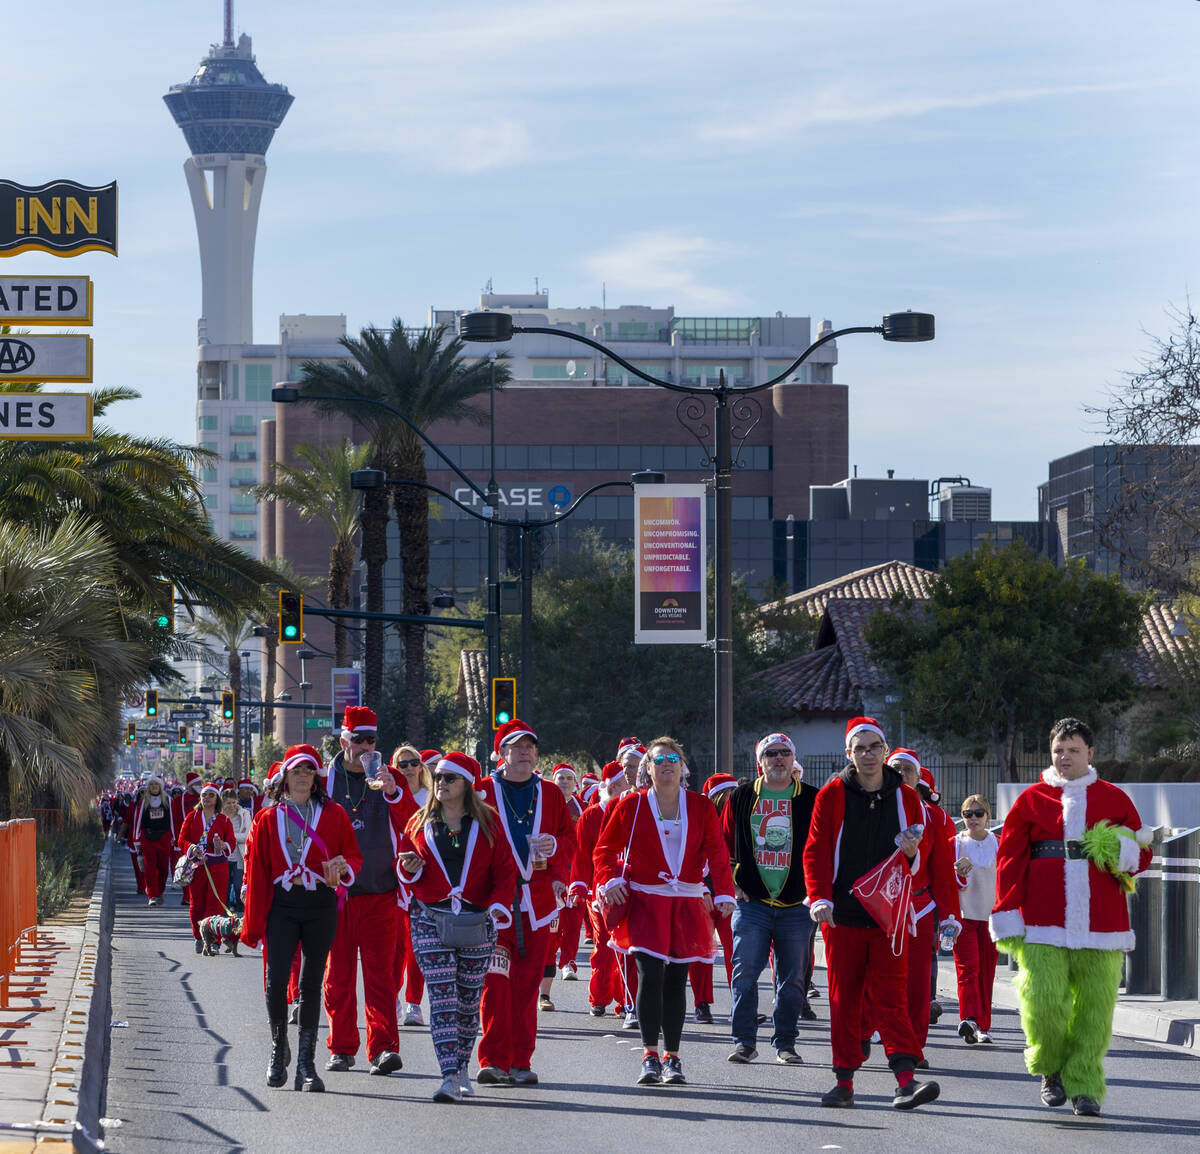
x=974, y=852
x=415, y=766
x=457, y=875
x=651, y=857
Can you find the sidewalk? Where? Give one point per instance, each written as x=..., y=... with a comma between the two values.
x=54, y=1043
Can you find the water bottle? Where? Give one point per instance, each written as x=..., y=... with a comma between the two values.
x=946, y=939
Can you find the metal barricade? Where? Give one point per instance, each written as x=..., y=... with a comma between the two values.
x=1181, y=916
x=1143, y=965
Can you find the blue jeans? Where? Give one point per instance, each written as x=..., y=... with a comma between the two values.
x=756, y=928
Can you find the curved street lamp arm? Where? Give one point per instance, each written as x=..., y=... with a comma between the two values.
x=397, y=413
x=805, y=355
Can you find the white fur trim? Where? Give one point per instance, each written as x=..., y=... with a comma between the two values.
x=1052, y=777
x=1006, y=924
x=1077, y=883
x=1057, y=936
x=865, y=729
x=1127, y=861
x=814, y=906
x=501, y=915
x=1145, y=835
x=406, y=878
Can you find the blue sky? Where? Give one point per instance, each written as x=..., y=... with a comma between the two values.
x=1026, y=171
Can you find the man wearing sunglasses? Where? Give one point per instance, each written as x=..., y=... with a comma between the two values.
x=766, y=824
x=369, y=920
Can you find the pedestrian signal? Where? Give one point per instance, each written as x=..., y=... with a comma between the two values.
x=504, y=700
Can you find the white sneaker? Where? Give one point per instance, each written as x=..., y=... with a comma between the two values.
x=464, y=1084
x=449, y=1090
x=631, y=1021
x=570, y=973
x=412, y=1015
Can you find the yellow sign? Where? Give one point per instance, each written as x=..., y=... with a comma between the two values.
x=61, y=217
x=45, y=417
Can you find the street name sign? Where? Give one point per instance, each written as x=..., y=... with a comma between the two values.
x=189, y=714
x=61, y=357
x=46, y=417
x=60, y=217
x=318, y=723
x=45, y=300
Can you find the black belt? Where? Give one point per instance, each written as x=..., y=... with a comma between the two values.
x=1071, y=850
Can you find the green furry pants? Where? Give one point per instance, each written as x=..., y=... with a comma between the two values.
x=1067, y=999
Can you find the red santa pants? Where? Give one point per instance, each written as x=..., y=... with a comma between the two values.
x=207, y=892
x=920, y=965
x=975, y=964
x=138, y=874
x=157, y=858
x=407, y=971
x=366, y=928
x=508, y=1010
x=700, y=974
x=565, y=946
x=614, y=976
x=861, y=966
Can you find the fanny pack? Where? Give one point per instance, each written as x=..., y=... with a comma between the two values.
x=467, y=928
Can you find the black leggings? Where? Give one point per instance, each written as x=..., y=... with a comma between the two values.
x=661, y=1001
x=305, y=918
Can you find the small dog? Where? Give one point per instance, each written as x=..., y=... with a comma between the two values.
x=216, y=927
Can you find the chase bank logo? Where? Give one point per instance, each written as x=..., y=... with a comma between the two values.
x=559, y=496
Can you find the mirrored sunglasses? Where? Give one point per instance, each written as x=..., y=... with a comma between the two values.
x=668, y=758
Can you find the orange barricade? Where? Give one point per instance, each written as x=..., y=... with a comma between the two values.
x=18, y=897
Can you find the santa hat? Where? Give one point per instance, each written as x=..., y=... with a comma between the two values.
x=565, y=767
x=359, y=719
x=902, y=754
x=299, y=755
x=718, y=783
x=430, y=757
x=512, y=731
x=275, y=773
x=192, y=778
x=628, y=744
x=229, y=783
x=611, y=771
x=246, y=783
x=460, y=764
x=155, y=777
x=773, y=740
x=863, y=725
x=927, y=778
x=210, y=787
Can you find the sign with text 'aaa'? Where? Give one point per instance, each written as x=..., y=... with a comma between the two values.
x=45, y=300
x=670, y=597
x=45, y=417
x=45, y=358
x=60, y=217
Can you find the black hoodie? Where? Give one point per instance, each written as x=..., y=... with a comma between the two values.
x=869, y=831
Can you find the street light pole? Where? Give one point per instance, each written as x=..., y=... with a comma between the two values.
x=496, y=327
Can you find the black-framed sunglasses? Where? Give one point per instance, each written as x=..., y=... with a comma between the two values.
x=362, y=739
x=974, y=813
x=408, y=763
x=447, y=778
x=776, y=752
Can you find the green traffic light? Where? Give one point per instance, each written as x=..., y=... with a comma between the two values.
x=290, y=631
x=503, y=717
x=162, y=621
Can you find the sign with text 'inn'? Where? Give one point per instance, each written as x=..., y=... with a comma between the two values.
x=61, y=217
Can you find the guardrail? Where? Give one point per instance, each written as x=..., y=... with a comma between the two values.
x=1164, y=912
x=18, y=899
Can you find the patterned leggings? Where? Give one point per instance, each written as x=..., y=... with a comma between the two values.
x=454, y=978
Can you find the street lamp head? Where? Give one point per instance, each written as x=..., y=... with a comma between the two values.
x=485, y=326
x=648, y=477
x=262, y=631
x=908, y=326
x=368, y=479
x=306, y=654
x=444, y=601
x=285, y=393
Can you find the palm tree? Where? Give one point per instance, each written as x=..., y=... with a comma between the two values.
x=231, y=631
x=320, y=490
x=423, y=375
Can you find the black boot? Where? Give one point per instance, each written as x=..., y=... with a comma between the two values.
x=306, y=1062
x=281, y=1055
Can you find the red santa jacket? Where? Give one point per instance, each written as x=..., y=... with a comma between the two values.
x=935, y=882
x=1055, y=901
x=137, y=815
x=822, y=851
x=194, y=833
x=489, y=877
x=267, y=861
x=634, y=823
x=536, y=886
x=587, y=833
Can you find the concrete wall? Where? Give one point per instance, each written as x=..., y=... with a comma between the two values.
x=1174, y=804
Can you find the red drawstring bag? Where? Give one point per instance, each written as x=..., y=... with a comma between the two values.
x=886, y=894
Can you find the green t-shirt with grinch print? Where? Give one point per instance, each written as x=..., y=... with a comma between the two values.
x=771, y=828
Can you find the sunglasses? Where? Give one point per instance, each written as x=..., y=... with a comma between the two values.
x=974, y=813
x=668, y=758
x=408, y=763
x=362, y=739
x=447, y=778
x=776, y=752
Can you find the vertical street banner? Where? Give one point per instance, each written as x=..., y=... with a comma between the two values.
x=670, y=590
x=346, y=690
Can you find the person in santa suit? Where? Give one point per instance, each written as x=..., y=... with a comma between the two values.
x=248, y=796
x=453, y=860
x=564, y=938
x=416, y=765
x=369, y=919
x=934, y=898
x=613, y=976
x=974, y=852
x=1068, y=851
x=299, y=855
x=541, y=839
x=206, y=826
x=860, y=817
x=153, y=832
x=700, y=974
x=652, y=857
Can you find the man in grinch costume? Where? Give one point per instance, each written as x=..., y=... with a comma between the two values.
x=1068, y=852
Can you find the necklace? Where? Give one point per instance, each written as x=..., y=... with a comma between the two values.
x=349, y=797
x=515, y=813
x=298, y=845
x=454, y=834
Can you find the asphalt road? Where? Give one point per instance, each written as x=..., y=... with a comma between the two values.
x=188, y=1074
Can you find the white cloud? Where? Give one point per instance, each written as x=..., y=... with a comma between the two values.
x=663, y=265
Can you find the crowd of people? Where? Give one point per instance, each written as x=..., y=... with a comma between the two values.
x=423, y=874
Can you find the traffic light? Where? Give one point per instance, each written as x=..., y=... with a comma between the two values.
x=164, y=617
x=291, y=617
x=151, y=702
x=226, y=706
x=182, y=737
x=504, y=700
x=131, y=733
